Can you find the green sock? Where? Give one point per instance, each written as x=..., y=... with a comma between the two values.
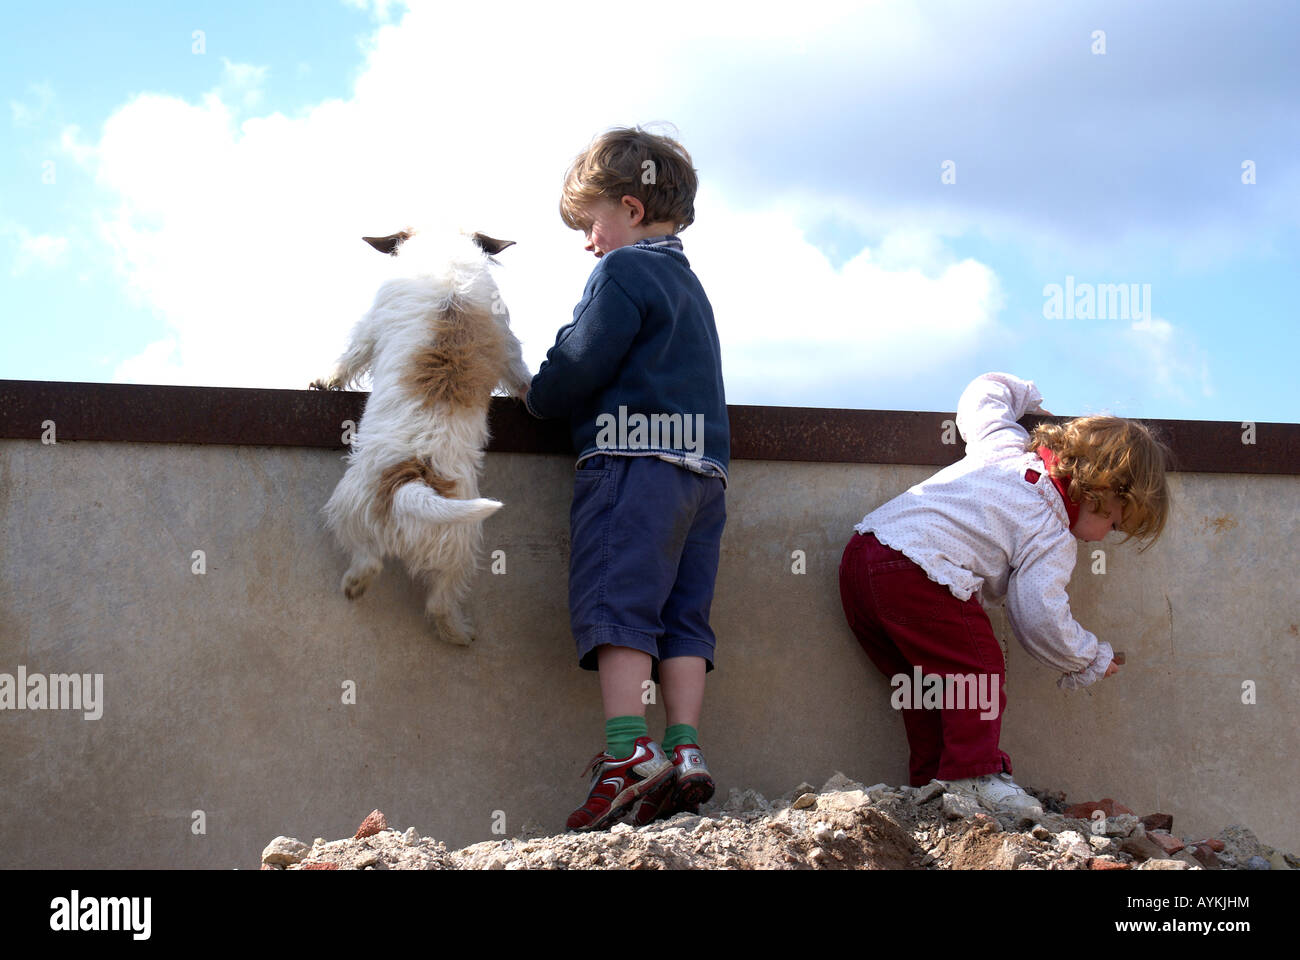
x=621, y=734
x=678, y=734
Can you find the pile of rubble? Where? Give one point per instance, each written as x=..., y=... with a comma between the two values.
x=842, y=826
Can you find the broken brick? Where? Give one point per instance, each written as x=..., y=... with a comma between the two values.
x=1166, y=842
x=323, y=865
x=1158, y=821
x=373, y=823
x=1205, y=856
x=1084, y=811
x=1101, y=863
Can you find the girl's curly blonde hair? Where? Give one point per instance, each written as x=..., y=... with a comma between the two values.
x=1102, y=455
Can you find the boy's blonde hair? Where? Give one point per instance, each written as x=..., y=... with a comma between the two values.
x=1104, y=455
x=626, y=161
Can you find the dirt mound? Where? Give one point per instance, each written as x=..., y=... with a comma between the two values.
x=843, y=826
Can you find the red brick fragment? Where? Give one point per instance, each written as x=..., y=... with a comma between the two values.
x=371, y=825
x=323, y=865
x=1099, y=863
x=1166, y=842
x=1158, y=821
x=1205, y=856
x=1083, y=811
x=1215, y=844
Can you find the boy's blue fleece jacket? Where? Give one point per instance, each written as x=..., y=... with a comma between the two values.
x=642, y=338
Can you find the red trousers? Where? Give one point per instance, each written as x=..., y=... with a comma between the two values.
x=903, y=619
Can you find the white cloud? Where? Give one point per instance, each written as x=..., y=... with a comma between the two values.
x=32, y=249
x=244, y=234
x=1167, y=357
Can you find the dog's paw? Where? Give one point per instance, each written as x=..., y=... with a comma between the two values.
x=355, y=583
x=323, y=384
x=460, y=634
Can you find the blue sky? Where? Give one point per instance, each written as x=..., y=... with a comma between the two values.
x=179, y=215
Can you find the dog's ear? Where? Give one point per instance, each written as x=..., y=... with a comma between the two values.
x=490, y=245
x=390, y=243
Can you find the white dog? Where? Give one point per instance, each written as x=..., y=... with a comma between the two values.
x=437, y=343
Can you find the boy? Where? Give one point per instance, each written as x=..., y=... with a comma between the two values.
x=638, y=374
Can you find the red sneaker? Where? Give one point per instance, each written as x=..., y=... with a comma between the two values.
x=616, y=785
x=689, y=786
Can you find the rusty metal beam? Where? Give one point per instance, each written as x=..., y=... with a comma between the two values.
x=309, y=418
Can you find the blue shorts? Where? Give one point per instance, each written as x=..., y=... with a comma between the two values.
x=645, y=536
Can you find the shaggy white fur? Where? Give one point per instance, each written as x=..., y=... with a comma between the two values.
x=437, y=341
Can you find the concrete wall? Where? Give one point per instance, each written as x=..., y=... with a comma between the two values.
x=222, y=691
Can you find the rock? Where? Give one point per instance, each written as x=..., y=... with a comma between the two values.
x=1277, y=861
x=958, y=807
x=284, y=850
x=271, y=866
x=804, y=787
x=1121, y=825
x=1257, y=863
x=1072, y=844
x=1158, y=821
x=411, y=835
x=1040, y=832
x=1105, y=863
x=840, y=836
x=822, y=833
x=1157, y=864
x=804, y=801
x=1166, y=842
x=1102, y=844
x=1186, y=857
x=1240, y=843
x=321, y=865
x=370, y=826
x=618, y=828
x=931, y=790
x=1142, y=847
x=840, y=783
x=848, y=800
x=1009, y=856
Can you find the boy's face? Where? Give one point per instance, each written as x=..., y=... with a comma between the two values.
x=611, y=224
x=1091, y=525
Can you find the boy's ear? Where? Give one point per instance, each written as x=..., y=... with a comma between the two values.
x=390, y=243
x=490, y=245
x=637, y=208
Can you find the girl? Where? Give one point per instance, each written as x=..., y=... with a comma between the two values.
x=1000, y=522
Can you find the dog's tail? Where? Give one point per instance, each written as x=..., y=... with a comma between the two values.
x=418, y=502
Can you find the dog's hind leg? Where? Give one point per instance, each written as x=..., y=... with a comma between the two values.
x=358, y=577
x=447, y=592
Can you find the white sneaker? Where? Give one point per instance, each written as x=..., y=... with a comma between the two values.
x=997, y=791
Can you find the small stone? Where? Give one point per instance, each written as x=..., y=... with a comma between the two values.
x=840, y=836
x=271, y=866
x=1166, y=842
x=322, y=865
x=1121, y=825
x=1215, y=844
x=804, y=801
x=1009, y=856
x=838, y=782
x=1105, y=863
x=1158, y=864
x=1040, y=832
x=822, y=833
x=1257, y=863
x=1186, y=857
x=1102, y=844
x=549, y=859
x=496, y=862
x=1277, y=861
x=620, y=828
x=411, y=835
x=284, y=850
x=848, y=800
x=370, y=826
x=817, y=856
x=705, y=825
x=1158, y=821
x=804, y=787
x=958, y=807
x=1206, y=856
x=931, y=790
